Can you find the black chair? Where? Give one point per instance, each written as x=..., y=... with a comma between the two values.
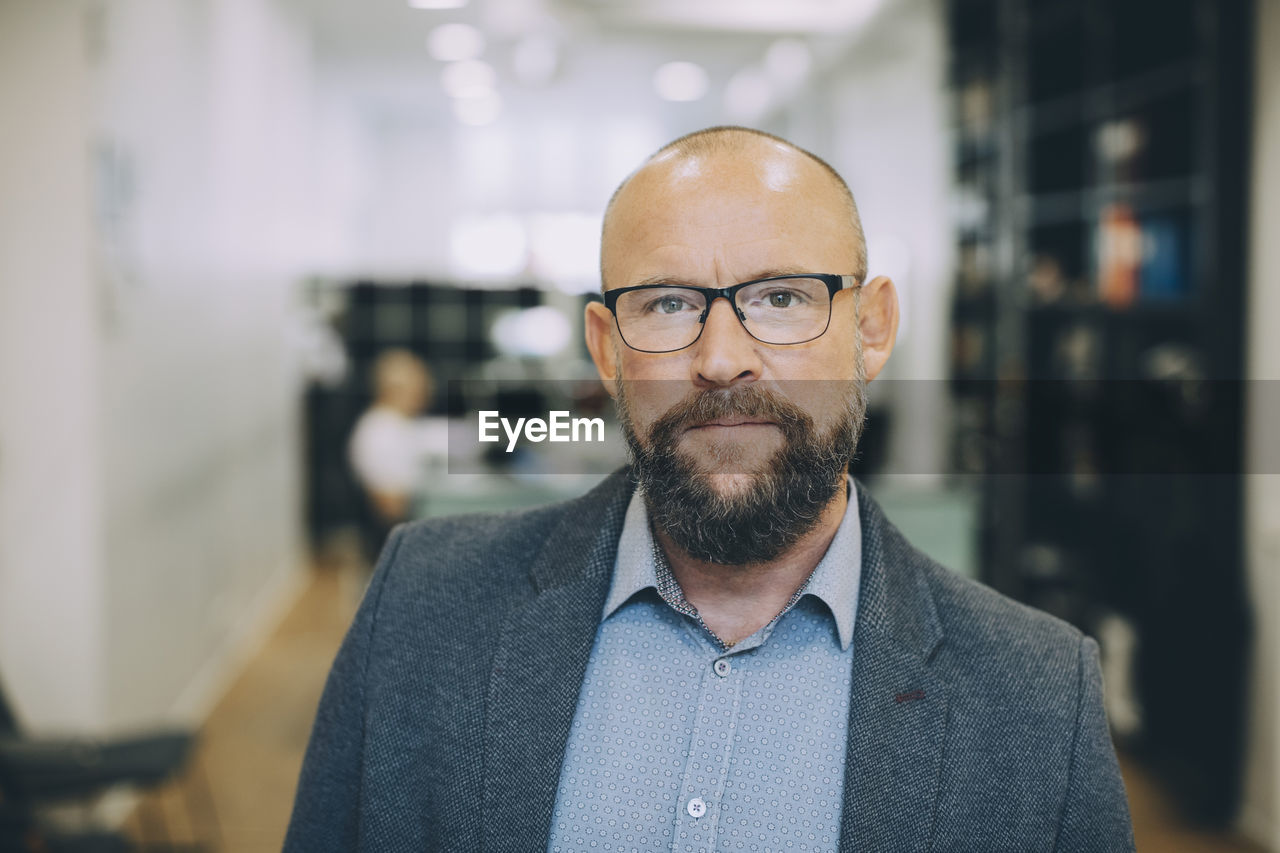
x=36, y=772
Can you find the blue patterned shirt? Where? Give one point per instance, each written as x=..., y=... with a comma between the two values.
x=679, y=743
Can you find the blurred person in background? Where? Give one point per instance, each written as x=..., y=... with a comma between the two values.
x=392, y=443
x=726, y=645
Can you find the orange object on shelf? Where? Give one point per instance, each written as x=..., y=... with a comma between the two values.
x=1119, y=255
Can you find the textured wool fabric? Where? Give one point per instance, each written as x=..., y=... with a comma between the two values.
x=975, y=723
x=682, y=744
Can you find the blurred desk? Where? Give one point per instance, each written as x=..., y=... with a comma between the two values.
x=458, y=494
x=942, y=523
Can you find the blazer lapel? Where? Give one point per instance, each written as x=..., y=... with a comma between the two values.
x=539, y=666
x=898, y=709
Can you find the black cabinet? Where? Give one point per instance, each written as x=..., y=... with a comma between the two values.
x=1097, y=342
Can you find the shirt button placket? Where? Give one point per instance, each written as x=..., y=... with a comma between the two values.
x=704, y=776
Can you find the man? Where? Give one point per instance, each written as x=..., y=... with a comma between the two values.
x=727, y=646
x=392, y=444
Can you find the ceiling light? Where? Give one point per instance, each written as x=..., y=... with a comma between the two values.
x=479, y=111
x=534, y=332
x=825, y=17
x=455, y=42
x=470, y=79
x=437, y=4
x=680, y=81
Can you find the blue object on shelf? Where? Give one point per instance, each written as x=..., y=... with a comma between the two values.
x=1163, y=272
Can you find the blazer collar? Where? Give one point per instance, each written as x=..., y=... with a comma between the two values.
x=898, y=710
x=539, y=665
x=896, y=601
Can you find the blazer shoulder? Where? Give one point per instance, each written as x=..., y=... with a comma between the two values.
x=483, y=550
x=978, y=620
x=991, y=638
x=489, y=542
x=1024, y=683
x=969, y=606
x=471, y=551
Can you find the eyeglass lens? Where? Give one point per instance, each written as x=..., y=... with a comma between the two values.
x=775, y=311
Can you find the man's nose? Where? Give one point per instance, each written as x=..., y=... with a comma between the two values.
x=725, y=353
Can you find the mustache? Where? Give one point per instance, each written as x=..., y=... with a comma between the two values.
x=756, y=403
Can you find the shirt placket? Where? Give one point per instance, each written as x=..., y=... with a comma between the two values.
x=707, y=767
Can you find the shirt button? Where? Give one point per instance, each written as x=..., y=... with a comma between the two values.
x=696, y=807
x=722, y=667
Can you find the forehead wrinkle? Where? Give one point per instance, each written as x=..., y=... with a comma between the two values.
x=681, y=249
x=769, y=272
x=731, y=256
x=690, y=263
x=680, y=208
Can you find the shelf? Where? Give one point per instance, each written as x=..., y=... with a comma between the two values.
x=1116, y=133
x=1138, y=313
x=973, y=308
x=1111, y=100
x=974, y=150
x=1083, y=205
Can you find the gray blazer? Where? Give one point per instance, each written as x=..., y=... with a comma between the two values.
x=975, y=723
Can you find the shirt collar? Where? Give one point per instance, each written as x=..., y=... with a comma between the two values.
x=635, y=568
x=834, y=581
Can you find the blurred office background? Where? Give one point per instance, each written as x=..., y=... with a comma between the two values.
x=216, y=215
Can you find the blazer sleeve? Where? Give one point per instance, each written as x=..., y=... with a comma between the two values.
x=326, y=806
x=1095, y=816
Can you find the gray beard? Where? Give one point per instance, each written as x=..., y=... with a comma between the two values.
x=790, y=492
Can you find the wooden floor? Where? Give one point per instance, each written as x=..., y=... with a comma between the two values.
x=238, y=792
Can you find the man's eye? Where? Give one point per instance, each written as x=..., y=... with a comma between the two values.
x=669, y=305
x=782, y=299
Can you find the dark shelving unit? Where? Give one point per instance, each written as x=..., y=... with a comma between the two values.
x=1097, y=342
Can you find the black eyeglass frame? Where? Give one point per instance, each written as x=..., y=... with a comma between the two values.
x=835, y=283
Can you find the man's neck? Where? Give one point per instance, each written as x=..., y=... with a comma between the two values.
x=736, y=601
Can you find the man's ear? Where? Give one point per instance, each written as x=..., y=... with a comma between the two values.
x=878, y=323
x=598, y=328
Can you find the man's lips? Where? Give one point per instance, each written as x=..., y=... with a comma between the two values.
x=731, y=422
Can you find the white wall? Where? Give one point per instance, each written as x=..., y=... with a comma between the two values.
x=886, y=116
x=1260, y=815
x=207, y=106
x=158, y=197
x=51, y=532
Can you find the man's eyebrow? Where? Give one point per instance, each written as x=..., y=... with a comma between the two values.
x=676, y=280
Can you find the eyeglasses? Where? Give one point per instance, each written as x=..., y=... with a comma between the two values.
x=780, y=310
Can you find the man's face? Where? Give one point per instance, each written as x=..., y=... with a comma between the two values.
x=730, y=430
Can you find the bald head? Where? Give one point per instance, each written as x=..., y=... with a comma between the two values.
x=750, y=165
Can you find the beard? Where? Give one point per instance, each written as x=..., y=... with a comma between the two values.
x=788, y=493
